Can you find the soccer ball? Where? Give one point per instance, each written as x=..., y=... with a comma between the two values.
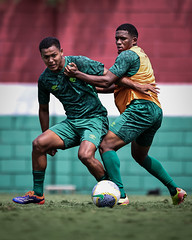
x=105, y=194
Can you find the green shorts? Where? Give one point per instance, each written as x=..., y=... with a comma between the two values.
x=138, y=122
x=74, y=131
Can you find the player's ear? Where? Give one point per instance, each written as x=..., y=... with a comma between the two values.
x=61, y=50
x=134, y=40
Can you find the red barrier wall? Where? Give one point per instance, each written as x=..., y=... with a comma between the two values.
x=87, y=27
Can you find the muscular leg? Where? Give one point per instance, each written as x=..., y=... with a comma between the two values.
x=139, y=153
x=47, y=142
x=153, y=166
x=87, y=156
x=110, y=144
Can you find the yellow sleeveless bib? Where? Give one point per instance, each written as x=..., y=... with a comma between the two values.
x=124, y=96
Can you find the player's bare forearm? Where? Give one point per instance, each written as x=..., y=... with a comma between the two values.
x=143, y=88
x=44, y=117
x=103, y=81
x=44, y=121
x=106, y=90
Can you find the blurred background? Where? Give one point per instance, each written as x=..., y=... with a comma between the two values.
x=87, y=27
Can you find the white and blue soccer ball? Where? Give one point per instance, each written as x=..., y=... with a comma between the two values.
x=105, y=194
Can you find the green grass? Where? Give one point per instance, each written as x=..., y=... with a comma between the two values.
x=75, y=217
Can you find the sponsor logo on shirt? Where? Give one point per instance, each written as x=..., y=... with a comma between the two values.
x=112, y=124
x=72, y=79
x=92, y=136
x=54, y=87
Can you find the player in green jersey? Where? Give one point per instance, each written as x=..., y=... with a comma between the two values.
x=86, y=122
x=141, y=114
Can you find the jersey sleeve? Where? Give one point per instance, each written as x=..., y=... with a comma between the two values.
x=43, y=94
x=124, y=64
x=89, y=66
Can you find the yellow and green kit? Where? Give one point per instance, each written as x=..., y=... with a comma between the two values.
x=141, y=115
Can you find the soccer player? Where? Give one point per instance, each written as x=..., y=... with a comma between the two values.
x=86, y=122
x=141, y=114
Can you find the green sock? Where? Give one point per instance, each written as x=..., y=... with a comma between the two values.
x=154, y=167
x=112, y=165
x=38, y=182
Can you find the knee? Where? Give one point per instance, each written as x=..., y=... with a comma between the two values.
x=139, y=153
x=85, y=156
x=139, y=158
x=103, y=146
x=38, y=146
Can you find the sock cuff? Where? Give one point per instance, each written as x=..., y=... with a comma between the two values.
x=38, y=173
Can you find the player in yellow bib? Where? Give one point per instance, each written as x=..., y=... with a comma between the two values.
x=142, y=74
x=141, y=114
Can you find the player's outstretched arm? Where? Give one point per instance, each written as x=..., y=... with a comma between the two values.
x=110, y=89
x=126, y=82
x=143, y=88
x=103, y=81
x=107, y=81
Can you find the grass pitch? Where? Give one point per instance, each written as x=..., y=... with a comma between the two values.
x=74, y=217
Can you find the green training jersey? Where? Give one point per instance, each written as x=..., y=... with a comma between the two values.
x=79, y=99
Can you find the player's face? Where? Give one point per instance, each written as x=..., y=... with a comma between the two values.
x=53, y=58
x=124, y=41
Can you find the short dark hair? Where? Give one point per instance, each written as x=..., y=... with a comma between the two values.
x=129, y=28
x=48, y=42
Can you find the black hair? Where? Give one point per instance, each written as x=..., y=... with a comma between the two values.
x=48, y=42
x=129, y=28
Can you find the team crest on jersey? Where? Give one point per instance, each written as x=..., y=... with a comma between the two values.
x=112, y=124
x=72, y=79
x=92, y=136
x=54, y=87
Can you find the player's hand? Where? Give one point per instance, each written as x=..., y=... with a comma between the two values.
x=52, y=152
x=148, y=87
x=71, y=69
